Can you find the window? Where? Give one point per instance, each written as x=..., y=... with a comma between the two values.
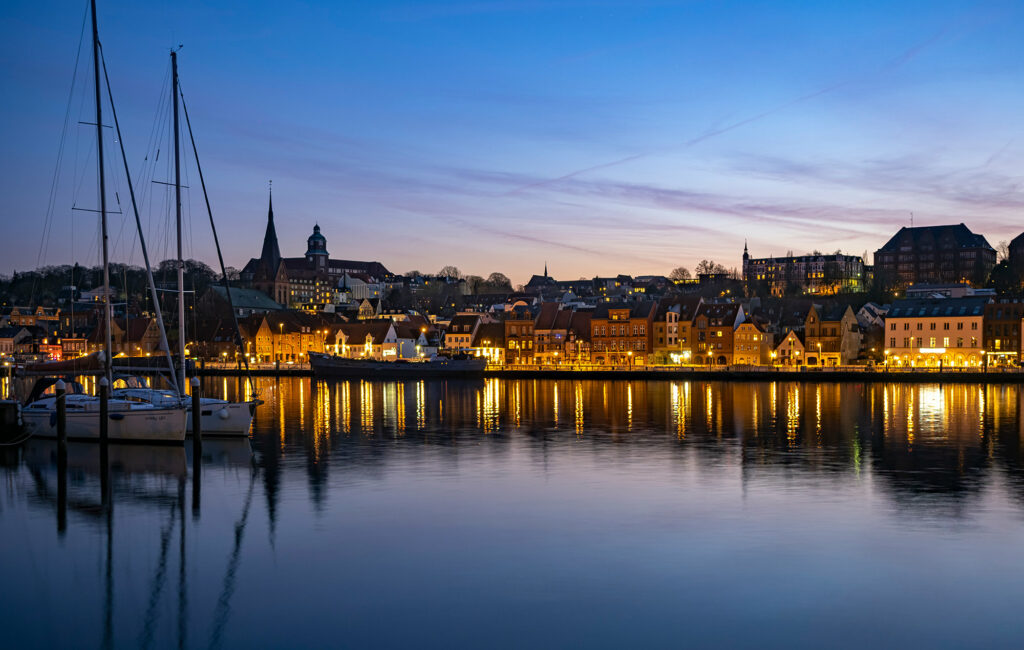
x=945, y=341
x=959, y=326
x=931, y=342
x=931, y=326
x=892, y=342
x=919, y=341
x=906, y=326
x=892, y=326
x=945, y=325
x=920, y=326
x=974, y=325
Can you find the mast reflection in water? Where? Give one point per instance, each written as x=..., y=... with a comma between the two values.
x=534, y=513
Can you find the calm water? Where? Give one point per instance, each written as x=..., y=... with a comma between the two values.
x=536, y=514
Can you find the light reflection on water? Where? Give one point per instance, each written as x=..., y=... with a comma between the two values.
x=535, y=513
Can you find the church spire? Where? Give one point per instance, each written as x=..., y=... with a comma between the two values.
x=545, y=268
x=271, y=255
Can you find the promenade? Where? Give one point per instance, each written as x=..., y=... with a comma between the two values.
x=677, y=372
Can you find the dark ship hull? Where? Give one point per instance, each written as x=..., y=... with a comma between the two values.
x=329, y=366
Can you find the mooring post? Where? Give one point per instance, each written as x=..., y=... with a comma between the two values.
x=62, y=457
x=104, y=405
x=197, y=415
x=197, y=444
x=62, y=418
x=104, y=386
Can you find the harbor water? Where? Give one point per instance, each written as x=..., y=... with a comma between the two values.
x=534, y=513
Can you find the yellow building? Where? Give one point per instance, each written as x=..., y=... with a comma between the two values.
x=935, y=332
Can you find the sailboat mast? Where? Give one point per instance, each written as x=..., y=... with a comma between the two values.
x=177, y=208
x=107, y=364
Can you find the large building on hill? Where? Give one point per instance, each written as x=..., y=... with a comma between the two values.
x=815, y=274
x=935, y=255
x=310, y=281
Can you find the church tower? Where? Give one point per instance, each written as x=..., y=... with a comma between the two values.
x=271, y=255
x=316, y=249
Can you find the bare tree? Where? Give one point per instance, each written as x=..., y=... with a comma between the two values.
x=679, y=273
x=706, y=267
x=1002, y=251
x=450, y=271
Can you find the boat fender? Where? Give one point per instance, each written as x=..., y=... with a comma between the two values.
x=223, y=414
x=116, y=416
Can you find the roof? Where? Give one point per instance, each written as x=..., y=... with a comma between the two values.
x=642, y=309
x=356, y=333
x=938, y=307
x=959, y=234
x=247, y=298
x=722, y=313
x=494, y=333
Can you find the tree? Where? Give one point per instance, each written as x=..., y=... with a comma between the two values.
x=708, y=267
x=233, y=274
x=450, y=272
x=679, y=273
x=475, y=283
x=1003, y=251
x=413, y=274
x=498, y=282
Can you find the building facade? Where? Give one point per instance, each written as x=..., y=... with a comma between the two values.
x=946, y=332
x=934, y=255
x=809, y=274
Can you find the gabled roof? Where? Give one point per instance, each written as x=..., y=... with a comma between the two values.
x=356, y=333
x=719, y=313
x=494, y=333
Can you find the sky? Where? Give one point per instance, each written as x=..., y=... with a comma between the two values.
x=600, y=137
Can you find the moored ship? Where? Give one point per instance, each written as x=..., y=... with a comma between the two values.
x=324, y=365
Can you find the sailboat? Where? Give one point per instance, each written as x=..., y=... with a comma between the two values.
x=218, y=416
x=126, y=420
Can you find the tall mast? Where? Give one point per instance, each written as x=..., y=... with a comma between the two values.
x=177, y=208
x=103, y=194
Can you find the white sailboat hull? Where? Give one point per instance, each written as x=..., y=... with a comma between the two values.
x=123, y=425
x=219, y=417
x=224, y=418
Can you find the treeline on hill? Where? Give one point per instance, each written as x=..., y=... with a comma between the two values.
x=53, y=285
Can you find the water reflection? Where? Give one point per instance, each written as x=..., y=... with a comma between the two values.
x=343, y=467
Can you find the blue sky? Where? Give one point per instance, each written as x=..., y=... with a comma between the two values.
x=602, y=137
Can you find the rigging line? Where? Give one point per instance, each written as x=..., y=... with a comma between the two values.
x=150, y=159
x=55, y=181
x=138, y=224
x=223, y=609
x=216, y=242
x=149, y=622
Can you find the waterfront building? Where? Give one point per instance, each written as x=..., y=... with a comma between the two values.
x=934, y=254
x=458, y=336
x=622, y=333
x=518, y=324
x=750, y=344
x=791, y=350
x=1002, y=337
x=10, y=337
x=815, y=274
x=561, y=334
x=714, y=326
x=934, y=332
x=307, y=282
x=831, y=335
x=489, y=342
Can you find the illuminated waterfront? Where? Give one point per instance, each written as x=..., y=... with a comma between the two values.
x=537, y=513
